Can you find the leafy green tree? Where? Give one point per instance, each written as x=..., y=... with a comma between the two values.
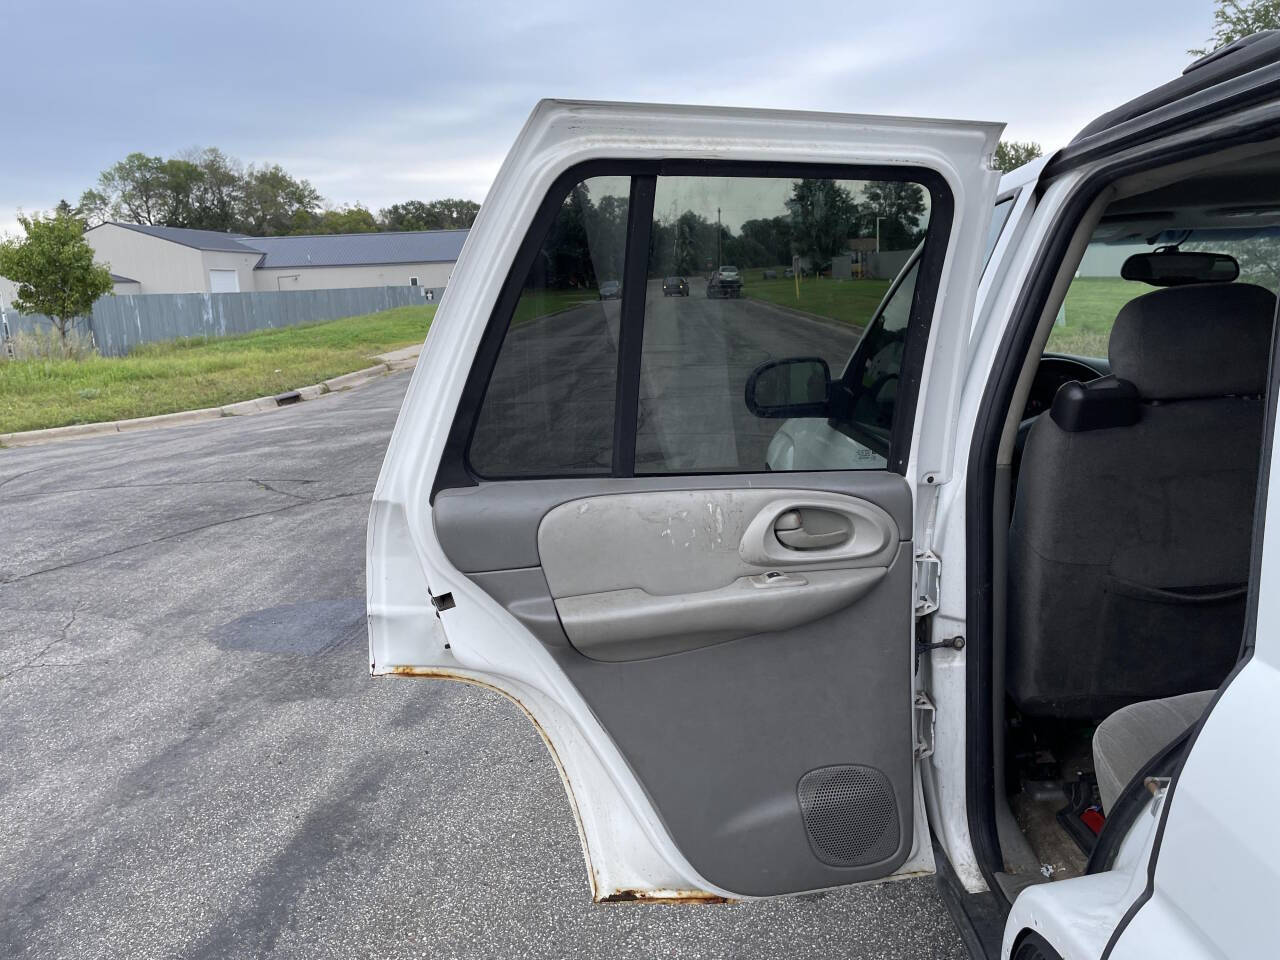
x=823, y=216
x=54, y=270
x=447, y=214
x=218, y=192
x=353, y=219
x=273, y=203
x=94, y=208
x=136, y=189
x=899, y=206
x=774, y=235
x=1011, y=154
x=606, y=226
x=180, y=193
x=1233, y=20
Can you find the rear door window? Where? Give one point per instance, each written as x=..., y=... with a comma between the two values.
x=776, y=266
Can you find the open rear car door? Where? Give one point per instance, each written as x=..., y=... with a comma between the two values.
x=680, y=531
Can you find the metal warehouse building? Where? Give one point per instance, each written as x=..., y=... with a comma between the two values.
x=176, y=260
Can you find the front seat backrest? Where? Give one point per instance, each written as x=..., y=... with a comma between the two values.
x=1129, y=546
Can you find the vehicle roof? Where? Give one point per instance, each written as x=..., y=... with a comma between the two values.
x=1219, y=86
x=1233, y=60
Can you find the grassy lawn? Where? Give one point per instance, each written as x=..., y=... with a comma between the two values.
x=198, y=372
x=1091, y=308
x=851, y=301
x=540, y=302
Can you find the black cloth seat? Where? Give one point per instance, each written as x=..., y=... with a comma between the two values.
x=1129, y=545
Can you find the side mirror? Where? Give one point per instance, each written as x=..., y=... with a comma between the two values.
x=797, y=387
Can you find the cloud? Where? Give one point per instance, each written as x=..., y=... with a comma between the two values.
x=379, y=102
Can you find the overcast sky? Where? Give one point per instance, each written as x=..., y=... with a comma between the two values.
x=378, y=102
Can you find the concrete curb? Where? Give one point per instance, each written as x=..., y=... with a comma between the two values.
x=390, y=362
x=356, y=377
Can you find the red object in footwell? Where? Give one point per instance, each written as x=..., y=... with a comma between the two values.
x=1093, y=819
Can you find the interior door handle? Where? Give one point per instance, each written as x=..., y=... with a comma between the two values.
x=825, y=530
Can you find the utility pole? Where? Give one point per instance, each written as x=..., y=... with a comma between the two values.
x=878, y=219
x=719, y=237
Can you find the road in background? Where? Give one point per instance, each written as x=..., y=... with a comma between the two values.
x=195, y=762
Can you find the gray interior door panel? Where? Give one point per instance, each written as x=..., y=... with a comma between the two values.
x=494, y=525
x=645, y=574
x=773, y=737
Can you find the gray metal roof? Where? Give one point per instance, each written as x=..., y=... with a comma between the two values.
x=116, y=278
x=359, y=249
x=321, y=250
x=200, y=239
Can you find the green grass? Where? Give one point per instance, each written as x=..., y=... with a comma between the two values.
x=198, y=372
x=850, y=301
x=541, y=302
x=1090, y=311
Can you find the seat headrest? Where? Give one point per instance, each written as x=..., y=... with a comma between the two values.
x=1204, y=340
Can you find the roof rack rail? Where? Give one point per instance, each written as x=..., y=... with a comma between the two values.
x=1235, y=46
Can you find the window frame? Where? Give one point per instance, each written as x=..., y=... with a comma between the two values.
x=455, y=470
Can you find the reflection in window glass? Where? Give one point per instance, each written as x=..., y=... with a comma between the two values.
x=999, y=217
x=548, y=409
x=748, y=270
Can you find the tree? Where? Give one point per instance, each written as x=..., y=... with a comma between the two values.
x=219, y=189
x=135, y=188
x=823, y=217
x=1011, y=154
x=354, y=219
x=898, y=206
x=447, y=214
x=273, y=203
x=1233, y=20
x=774, y=235
x=54, y=270
x=94, y=208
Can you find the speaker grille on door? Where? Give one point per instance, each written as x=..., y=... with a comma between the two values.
x=850, y=814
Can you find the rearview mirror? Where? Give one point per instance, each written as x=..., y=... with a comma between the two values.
x=797, y=387
x=1171, y=267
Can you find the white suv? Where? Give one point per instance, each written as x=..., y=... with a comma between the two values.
x=963, y=572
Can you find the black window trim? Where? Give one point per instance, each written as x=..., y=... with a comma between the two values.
x=455, y=469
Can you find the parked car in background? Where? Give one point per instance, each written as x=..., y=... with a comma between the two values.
x=725, y=282
x=611, y=290
x=675, y=287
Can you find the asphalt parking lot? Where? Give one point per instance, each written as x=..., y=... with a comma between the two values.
x=195, y=762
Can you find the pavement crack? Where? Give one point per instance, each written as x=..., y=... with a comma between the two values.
x=18, y=475
x=265, y=485
x=182, y=533
x=144, y=486
x=30, y=662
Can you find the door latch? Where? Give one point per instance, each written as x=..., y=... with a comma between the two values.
x=928, y=572
x=926, y=715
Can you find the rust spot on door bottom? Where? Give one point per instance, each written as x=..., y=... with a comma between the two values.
x=664, y=896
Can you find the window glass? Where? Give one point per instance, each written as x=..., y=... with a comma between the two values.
x=999, y=217
x=773, y=269
x=549, y=406
x=1097, y=291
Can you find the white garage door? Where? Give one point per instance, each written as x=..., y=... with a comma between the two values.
x=224, y=281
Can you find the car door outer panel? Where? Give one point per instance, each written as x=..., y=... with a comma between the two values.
x=830, y=694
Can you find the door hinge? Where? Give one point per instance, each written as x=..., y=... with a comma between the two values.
x=926, y=714
x=928, y=572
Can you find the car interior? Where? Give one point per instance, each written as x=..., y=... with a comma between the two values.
x=1125, y=501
